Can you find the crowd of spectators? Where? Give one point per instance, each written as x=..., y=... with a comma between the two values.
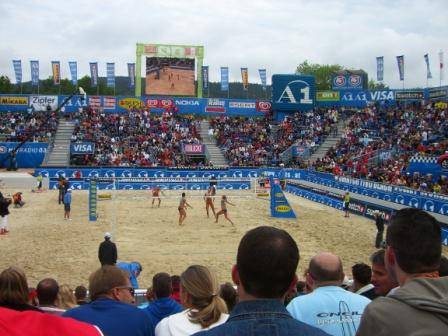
x=407, y=283
x=17, y=126
x=136, y=139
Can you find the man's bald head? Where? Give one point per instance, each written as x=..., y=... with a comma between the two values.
x=326, y=267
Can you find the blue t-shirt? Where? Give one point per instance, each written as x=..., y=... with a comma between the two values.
x=68, y=198
x=331, y=309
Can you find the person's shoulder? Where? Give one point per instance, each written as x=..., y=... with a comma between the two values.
x=306, y=329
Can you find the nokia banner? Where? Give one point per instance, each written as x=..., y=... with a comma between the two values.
x=400, y=62
x=380, y=68
x=131, y=74
x=110, y=72
x=73, y=72
x=293, y=92
x=93, y=74
x=205, y=77
x=262, y=73
x=224, y=79
x=245, y=78
x=56, y=68
x=34, y=72
x=18, y=70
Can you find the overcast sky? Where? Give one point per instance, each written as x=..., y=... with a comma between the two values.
x=273, y=34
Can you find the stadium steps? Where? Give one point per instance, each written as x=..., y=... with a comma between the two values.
x=59, y=154
x=328, y=143
x=215, y=155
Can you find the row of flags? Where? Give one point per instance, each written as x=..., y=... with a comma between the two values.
x=73, y=66
x=225, y=78
x=400, y=63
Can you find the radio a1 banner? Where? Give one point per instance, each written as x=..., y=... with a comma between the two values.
x=224, y=79
x=380, y=68
x=110, y=73
x=205, y=77
x=17, y=64
x=93, y=74
x=34, y=72
x=131, y=74
x=73, y=65
x=400, y=63
x=262, y=73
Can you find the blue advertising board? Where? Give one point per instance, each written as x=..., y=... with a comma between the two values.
x=348, y=81
x=30, y=155
x=293, y=92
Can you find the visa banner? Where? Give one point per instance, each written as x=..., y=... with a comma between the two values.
x=82, y=148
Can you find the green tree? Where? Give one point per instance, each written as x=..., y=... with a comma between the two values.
x=377, y=86
x=5, y=85
x=322, y=73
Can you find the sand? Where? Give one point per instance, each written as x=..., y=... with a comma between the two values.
x=45, y=245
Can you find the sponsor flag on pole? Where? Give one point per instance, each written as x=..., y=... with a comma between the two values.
x=262, y=73
x=205, y=77
x=73, y=72
x=428, y=70
x=245, y=78
x=56, y=68
x=110, y=72
x=17, y=64
x=34, y=72
x=93, y=74
x=380, y=68
x=224, y=79
x=400, y=62
x=131, y=74
x=441, y=65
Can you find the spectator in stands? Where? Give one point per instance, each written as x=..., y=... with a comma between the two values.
x=362, y=275
x=204, y=308
x=382, y=282
x=413, y=258
x=47, y=293
x=323, y=306
x=229, y=294
x=162, y=305
x=66, y=299
x=14, y=290
x=4, y=212
x=34, y=323
x=379, y=222
x=265, y=270
x=107, y=252
x=443, y=269
x=81, y=295
x=110, y=308
x=133, y=269
x=175, y=282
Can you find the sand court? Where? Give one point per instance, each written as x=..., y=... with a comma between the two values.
x=45, y=245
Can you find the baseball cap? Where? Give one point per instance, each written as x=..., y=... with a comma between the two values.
x=107, y=235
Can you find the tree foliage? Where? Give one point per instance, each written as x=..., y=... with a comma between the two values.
x=322, y=73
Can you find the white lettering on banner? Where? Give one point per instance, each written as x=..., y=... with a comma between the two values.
x=216, y=102
x=382, y=95
x=193, y=148
x=78, y=101
x=187, y=102
x=242, y=105
x=83, y=147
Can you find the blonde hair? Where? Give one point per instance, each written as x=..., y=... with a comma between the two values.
x=202, y=288
x=66, y=299
x=13, y=286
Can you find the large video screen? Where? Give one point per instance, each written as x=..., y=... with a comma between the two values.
x=170, y=76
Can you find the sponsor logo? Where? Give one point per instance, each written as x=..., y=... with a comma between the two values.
x=356, y=207
x=296, y=87
x=327, y=96
x=215, y=105
x=109, y=173
x=187, y=102
x=242, y=105
x=278, y=195
x=83, y=147
x=355, y=80
x=130, y=103
x=409, y=95
x=3, y=149
x=193, y=149
x=282, y=208
x=13, y=100
x=339, y=81
x=263, y=106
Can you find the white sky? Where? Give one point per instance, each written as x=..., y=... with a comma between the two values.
x=276, y=35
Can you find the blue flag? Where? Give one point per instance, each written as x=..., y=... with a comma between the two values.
x=110, y=71
x=205, y=77
x=34, y=72
x=73, y=72
x=131, y=74
x=380, y=68
x=17, y=64
x=93, y=74
x=262, y=73
x=400, y=62
x=224, y=79
x=428, y=70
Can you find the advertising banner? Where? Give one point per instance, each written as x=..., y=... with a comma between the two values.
x=205, y=77
x=380, y=68
x=193, y=149
x=348, y=81
x=94, y=101
x=428, y=70
x=293, y=92
x=216, y=105
x=30, y=155
x=110, y=73
x=82, y=148
x=245, y=78
x=93, y=74
x=44, y=103
x=14, y=100
x=17, y=64
x=130, y=103
x=262, y=73
x=74, y=104
x=110, y=103
x=400, y=63
x=327, y=96
x=34, y=72
x=435, y=93
x=263, y=106
x=131, y=74
x=73, y=72
x=409, y=95
x=56, y=69
x=441, y=67
x=224, y=79
x=300, y=151
x=280, y=207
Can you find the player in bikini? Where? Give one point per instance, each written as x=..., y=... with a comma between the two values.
x=183, y=209
x=155, y=195
x=223, y=210
x=209, y=201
